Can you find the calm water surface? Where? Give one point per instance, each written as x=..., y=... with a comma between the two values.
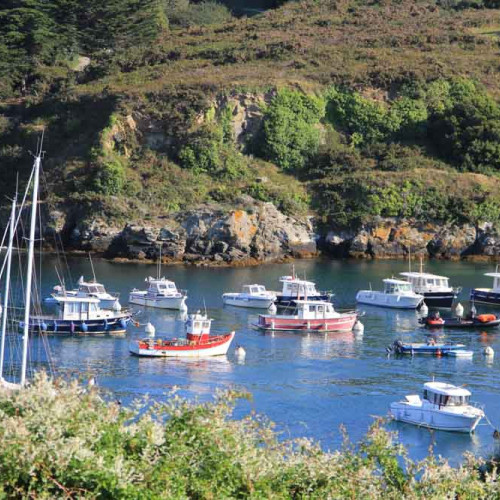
x=309, y=384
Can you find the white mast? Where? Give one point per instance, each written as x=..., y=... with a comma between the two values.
x=31, y=251
x=7, y=283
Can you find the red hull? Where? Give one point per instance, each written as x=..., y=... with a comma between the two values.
x=341, y=324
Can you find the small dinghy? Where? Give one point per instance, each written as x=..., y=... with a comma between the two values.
x=430, y=347
x=480, y=321
x=310, y=316
x=252, y=296
x=198, y=342
x=443, y=406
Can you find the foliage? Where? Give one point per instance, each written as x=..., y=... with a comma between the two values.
x=61, y=440
x=207, y=12
x=290, y=133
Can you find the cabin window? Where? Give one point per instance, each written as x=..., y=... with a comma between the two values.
x=312, y=308
x=171, y=285
x=93, y=307
x=206, y=324
x=85, y=289
x=99, y=289
x=197, y=324
x=255, y=289
x=310, y=289
x=321, y=309
x=85, y=307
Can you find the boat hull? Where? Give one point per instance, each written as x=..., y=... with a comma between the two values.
x=393, y=301
x=482, y=296
x=139, y=299
x=77, y=327
x=429, y=349
x=435, y=419
x=441, y=300
x=344, y=323
x=250, y=302
x=462, y=323
x=213, y=348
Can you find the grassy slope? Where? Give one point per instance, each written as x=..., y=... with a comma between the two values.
x=306, y=45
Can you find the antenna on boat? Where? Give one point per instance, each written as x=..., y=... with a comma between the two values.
x=159, y=263
x=421, y=264
x=61, y=280
x=409, y=259
x=205, y=306
x=92, y=267
x=31, y=252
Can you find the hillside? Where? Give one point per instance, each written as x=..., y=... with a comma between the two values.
x=179, y=121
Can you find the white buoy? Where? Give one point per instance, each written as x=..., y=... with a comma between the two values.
x=117, y=306
x=358, y=327
x=183, y=307
x=424, y=309
x=272, y=309
x=92, y=382
x=488, y=352
x=459, y=310
x=240, y=353
x=150, y=330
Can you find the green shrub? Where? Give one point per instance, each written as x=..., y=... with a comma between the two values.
x=290, y=132
x=110, y=177
x=61, y=440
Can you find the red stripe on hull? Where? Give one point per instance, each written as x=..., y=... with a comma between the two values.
x=345, y=323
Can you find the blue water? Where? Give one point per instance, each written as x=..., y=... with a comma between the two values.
x=308, y=384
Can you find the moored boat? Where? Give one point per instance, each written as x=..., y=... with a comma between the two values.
x=310, y=316
x=161, y=293
x=396, y=294
x=79, y=315
x=488, y=295
x=294, y=289
x=443, y=407
x=252, y=296
x=479, y=321
x=436, y=289
x=430, y=347
x=198, y=342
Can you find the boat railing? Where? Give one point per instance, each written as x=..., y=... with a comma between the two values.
x=457, y=289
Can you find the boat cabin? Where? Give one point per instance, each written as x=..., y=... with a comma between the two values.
x=91, y=288
x=294, y=287
x=198, y=326
x=496, y=281
x=161, y=286
x=397, y=286
x=442, y=394
x=253, y=289
x=316, y=309
x=78, y=308
x=426, y=281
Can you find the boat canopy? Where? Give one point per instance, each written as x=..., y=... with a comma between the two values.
x=426, y=280
x=296, y=287
x=446, y=389
x=91, y=288
x=392, y=285
x=253, y=289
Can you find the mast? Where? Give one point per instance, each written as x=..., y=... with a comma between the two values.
x=92, y=267
x=159, y=264
x=7, y=283
x=409, y=259
x=29, y=271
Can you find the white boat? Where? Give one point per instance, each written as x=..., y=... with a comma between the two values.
x=436, y=289
x=87, y=289
x=396, y=294
x=294, y=288
x=488, y=295
x=253, y=296
x=443, y=406
x=198, y=342
x=161, y=293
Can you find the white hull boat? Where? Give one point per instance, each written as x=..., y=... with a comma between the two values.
x=161, y=293
x=444, y=407
x=251, y=296
x=397, y=294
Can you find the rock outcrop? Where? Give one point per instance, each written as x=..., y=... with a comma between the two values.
x=258, y=233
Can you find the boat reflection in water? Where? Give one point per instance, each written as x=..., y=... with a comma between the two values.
x=402, y=319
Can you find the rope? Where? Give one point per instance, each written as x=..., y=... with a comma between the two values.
x=496, y=433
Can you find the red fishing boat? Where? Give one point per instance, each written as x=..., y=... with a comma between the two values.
x=310, y=316
x=198, y=342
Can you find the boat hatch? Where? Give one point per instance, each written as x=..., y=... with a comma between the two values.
x=445, y=400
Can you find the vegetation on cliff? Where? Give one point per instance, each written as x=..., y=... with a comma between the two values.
x=357, y=108
x=59, y=440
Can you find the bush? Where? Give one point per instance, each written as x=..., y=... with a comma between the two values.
x=290, y=132
x=185, y=14
x=60, y=440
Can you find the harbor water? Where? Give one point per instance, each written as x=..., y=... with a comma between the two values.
x=308, y=384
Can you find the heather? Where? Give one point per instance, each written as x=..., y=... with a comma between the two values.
x=63, y=440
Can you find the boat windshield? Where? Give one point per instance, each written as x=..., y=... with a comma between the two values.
x=445, y=400
x=397, y=287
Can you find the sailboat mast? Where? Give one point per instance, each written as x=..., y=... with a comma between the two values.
x=12, y=226
x=29, y=271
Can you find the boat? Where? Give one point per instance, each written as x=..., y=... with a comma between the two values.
x=198, y=342
x=460, y=353
x=87, y=289
x=80, y=315
x=252, y=296
x=396, y=294
x=310, y=316
x=161, y=293
x=488, y=295
x=443, y=407
x=434, y=288
x=294, y=288
x=430, y=347
x=479, y=321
